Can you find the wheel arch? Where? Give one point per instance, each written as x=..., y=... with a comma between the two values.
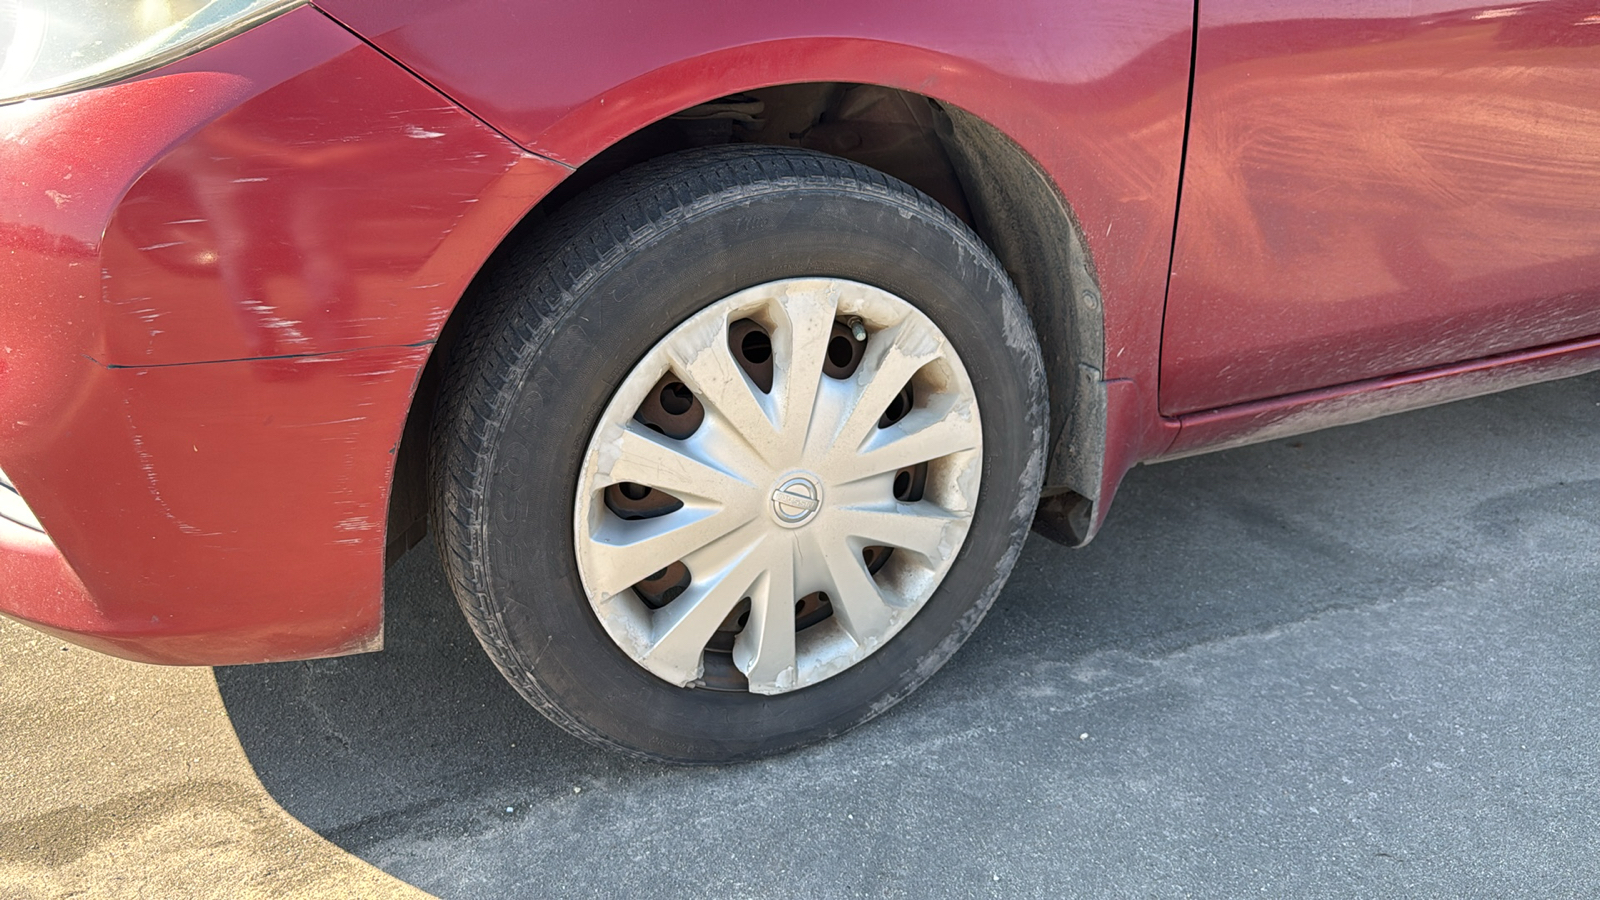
x=966, y=163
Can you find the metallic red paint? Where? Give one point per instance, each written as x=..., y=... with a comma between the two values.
x=217, y=513
x=220, y=283
x=1265, y=420
x=1382, y=187
x=1094, y=92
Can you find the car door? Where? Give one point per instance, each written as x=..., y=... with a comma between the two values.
x=1379, y=186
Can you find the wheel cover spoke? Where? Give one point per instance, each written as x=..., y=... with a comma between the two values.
x=682, y=629
x=640, y=456
x=857, y=599
x=922, y=436
x=802, y=345
x=929, y=534
x=764, y=651
x=626, y=552
x=785, y=494
x=709, y=370
x=887, y=366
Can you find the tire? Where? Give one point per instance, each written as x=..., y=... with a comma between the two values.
x=543, y=393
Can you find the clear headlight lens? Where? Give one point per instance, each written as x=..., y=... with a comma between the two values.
x=55, y=46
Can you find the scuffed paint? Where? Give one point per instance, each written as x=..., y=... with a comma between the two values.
x=1347, y=404
x=148, y=468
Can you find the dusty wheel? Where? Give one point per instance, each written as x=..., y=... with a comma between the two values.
x=738, y=453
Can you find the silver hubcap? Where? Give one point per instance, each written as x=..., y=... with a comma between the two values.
x=769, y=498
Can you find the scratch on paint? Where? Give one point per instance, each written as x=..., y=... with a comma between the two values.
x=287, y=328
x=322, y=424
x=148, y=467
x=320, y=356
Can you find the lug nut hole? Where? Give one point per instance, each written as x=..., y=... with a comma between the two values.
x=671, y=409
x=677, y=399
x=909, y=483
x=875, y=556
x=898, y=407
x=637, y=501
x=751, y=347
x=811, y=609
x=840, y=351
x=664, y=586
x=843, y=354
x=756, y=347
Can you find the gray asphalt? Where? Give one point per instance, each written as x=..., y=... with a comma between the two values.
x=1362, y=662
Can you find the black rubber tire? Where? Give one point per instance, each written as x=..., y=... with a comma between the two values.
x=563, y=317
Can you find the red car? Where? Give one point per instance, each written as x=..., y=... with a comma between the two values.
x=728, y=349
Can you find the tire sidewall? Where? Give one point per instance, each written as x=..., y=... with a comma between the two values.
x=612, y=312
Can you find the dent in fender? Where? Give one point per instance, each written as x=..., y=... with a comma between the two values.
x=201, y=406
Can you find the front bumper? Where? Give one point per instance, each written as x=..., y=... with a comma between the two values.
x=219, y=283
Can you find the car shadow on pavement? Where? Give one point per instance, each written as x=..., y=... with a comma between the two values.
x=1249, y=625
x=362, y=746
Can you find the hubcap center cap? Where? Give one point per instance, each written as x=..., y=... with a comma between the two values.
x=796, y=500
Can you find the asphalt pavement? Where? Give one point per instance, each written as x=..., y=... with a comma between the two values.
x=1362, y=662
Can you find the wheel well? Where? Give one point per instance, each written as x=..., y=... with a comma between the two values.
x=953, y=156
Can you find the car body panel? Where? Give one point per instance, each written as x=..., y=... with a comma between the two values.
x=343, y=209
x=220, y=512
x=221, y=280
x=1095, y=93
x=1382, y=187
x=210, y=446
x=1345, y=404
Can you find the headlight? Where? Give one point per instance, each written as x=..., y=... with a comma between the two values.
x=55, y=46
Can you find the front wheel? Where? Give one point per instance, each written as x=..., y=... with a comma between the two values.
x=737, y=453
